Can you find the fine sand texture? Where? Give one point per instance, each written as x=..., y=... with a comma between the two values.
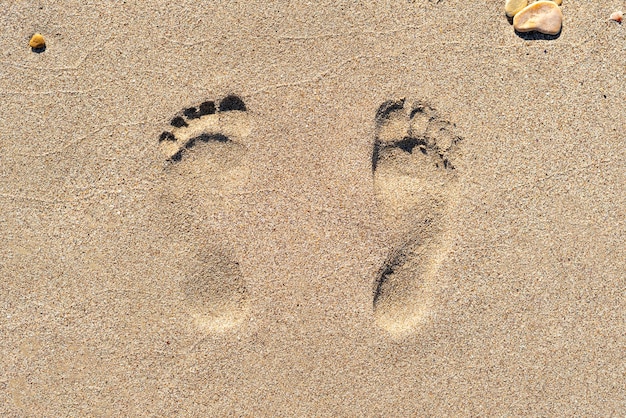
x=311, y=209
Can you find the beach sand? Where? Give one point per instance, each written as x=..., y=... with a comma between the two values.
x=396, y=209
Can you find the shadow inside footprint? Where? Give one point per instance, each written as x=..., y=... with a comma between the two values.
x=205, y=108
x=225, y=123
x=232, y=102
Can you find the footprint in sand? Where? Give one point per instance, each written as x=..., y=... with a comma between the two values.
x=205, y=152
x=415, y=185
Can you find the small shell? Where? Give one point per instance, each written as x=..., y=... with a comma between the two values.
x=617, y=16
x=37, y=41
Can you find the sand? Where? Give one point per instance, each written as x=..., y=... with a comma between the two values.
x=418, y=213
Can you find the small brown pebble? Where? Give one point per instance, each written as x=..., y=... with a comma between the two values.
x=617, y=16
x=542, y=16
x=37, y=41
